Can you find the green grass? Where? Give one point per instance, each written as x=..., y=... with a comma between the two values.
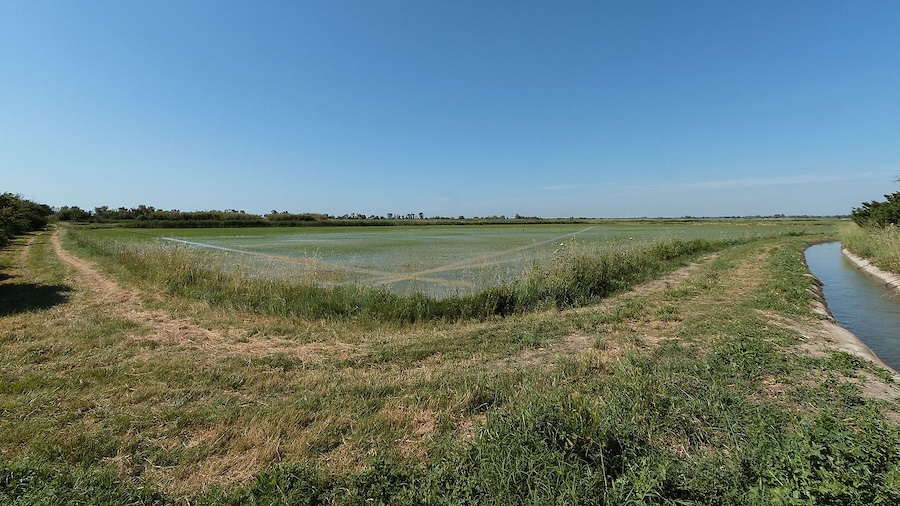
x=880, y=245
x=685, y=393
x=21, y=295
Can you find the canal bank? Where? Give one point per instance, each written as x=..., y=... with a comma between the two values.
x=865, y=312
x=890, y=279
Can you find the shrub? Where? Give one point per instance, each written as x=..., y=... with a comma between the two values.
x=19, y=216
x=878, y=213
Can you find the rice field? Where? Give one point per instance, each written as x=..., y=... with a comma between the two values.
x=435, y=260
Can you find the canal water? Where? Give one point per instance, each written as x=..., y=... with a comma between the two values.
x=859, y=302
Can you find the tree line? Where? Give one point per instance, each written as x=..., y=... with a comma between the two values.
x=19, y=216
x=144, y=216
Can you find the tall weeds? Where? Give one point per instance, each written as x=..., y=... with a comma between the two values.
x=881, y=245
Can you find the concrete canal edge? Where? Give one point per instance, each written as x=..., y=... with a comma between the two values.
x=889, y=278
x=841, y=338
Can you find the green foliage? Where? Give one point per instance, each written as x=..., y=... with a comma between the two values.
x=824, y=460
x=73, y=213
x=582, y=275
x=290, y=484
x=665, y=429
x=877, y=213
x=287, y=217
x=144, y=216
x=670, y=428
x=19, y=216
x=557, y=451
x=36, y=483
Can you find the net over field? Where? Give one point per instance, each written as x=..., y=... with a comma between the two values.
x=437, y=260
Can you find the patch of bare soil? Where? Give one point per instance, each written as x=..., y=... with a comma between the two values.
x=825, y=336
x=673, y=278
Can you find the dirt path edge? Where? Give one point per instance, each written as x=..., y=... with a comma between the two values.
x=126, y=302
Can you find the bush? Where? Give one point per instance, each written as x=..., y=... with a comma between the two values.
x=878, y=213
x=19, y=216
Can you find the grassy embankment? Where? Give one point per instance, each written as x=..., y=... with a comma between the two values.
x=696, y=389
x=880, y=245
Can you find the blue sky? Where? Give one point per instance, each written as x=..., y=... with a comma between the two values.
x=557, y=109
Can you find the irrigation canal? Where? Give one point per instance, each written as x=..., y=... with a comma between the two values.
x=859, y=302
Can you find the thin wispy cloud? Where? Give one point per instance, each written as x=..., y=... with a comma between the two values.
x=724, y=184
x=753, y=182
x=562, y=187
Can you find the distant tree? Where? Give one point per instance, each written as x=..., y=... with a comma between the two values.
x=877, y=213
x=74, y=213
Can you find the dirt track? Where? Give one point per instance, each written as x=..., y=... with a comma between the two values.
x=109, y=296
x=105, y=295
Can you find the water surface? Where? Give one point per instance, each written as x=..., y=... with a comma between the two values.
x=860, y=302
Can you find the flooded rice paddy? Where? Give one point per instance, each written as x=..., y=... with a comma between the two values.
x=438, y=260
